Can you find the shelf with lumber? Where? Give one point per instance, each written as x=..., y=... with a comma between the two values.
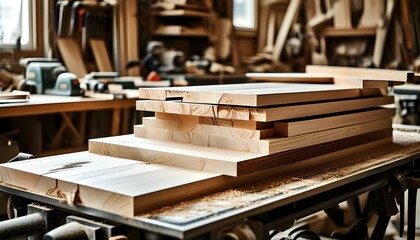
x=349, y=32
x=180, y=13
x=176, y=31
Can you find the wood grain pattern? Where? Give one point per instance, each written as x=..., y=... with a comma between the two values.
x=308, y=125
x=252, y=94
x=171, y=153
x=119, y=186
x=262, y=114
x=177, y=107
x=151, y=122
x=264, y=146
x=269, y=114
x=233, y=163
x=188, y=119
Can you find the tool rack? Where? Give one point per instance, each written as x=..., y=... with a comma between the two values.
x=262, y=213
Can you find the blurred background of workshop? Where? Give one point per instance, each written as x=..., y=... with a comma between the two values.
x=69, y=69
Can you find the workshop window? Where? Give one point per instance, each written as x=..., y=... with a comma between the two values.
x=245, y=14
x=17, y=24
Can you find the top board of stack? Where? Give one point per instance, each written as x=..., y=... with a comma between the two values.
x=208, y=138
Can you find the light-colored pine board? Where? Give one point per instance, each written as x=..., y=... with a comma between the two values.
x=180, y=118
x=269, y=114
x=397, y=76
x=252, y=94
x=151, y=122
x=264, y=146
x=318, y=78
x=177, y=107
x=317, y=151
x=252, y=125
x=116, y=185
x=291, y=77
x=187, y=156
x=189, y=119
x=303, y=126
x=284, y=144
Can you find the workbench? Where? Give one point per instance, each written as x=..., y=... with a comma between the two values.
x=304, y=188
x=66, y=107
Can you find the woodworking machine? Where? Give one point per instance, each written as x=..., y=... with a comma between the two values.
x=255, y=211
x=49, y=76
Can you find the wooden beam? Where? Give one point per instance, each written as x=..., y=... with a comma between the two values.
x=308, y=125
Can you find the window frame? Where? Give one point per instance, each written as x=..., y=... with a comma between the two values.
x=242, y=31
x=36, y=32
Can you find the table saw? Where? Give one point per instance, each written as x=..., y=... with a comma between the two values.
x=262, y=206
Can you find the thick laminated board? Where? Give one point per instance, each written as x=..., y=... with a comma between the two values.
x=300, y=126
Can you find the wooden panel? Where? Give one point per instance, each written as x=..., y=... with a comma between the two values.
x=363, y=73
x=120, y=186
x=171, y=153
x=316, y=151
x=151, y=122
x=303, y=110
x=252, y=94
x=265, y=146
x=308, y=125
x=262, y=114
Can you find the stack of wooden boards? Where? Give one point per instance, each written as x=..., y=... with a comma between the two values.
x=208, y=138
